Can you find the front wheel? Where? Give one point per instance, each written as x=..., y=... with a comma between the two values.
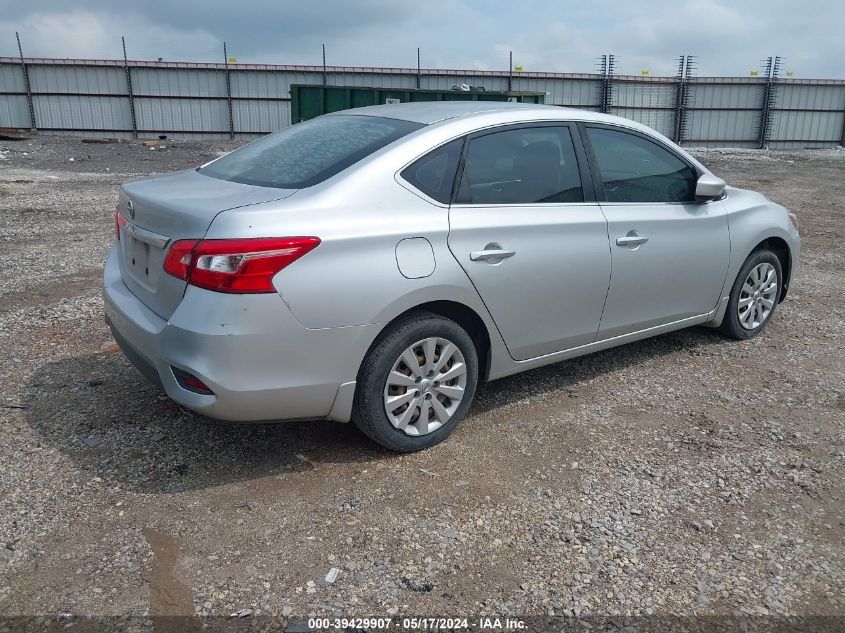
x=754, y=296
x=417, y=383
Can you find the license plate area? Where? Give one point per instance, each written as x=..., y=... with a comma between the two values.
x=139, y=258
x=142, y=261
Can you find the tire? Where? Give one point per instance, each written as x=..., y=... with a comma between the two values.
x=385, y=375
x=748, y=325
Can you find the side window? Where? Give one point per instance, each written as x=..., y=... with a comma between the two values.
x=634, y=169
x=521, y=166
x=434, y=173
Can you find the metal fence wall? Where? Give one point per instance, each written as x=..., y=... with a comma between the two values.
x=195, y=100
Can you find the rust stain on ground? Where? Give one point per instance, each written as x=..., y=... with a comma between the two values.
x=171, y=601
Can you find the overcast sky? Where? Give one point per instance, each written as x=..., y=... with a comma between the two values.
x=730, y=37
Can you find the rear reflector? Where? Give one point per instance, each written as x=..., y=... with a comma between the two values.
x=119, y=222
x=191, y=382
x=235, y=266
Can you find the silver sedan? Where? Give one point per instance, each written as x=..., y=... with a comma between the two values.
x=373, y=265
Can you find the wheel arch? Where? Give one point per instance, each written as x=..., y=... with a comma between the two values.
x=780, y=248
x=461, y=314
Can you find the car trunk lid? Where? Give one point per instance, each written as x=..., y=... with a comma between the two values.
x=162, y=209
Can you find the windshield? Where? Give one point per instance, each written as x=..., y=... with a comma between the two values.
x=308, y=153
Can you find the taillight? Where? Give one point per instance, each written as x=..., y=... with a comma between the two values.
x=236, y=266
x=119, y=222
x=178, y=260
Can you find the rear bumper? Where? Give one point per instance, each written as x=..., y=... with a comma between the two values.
x=258, y=360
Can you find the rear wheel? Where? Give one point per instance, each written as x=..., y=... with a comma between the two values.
x=417, y=383
x=754, y=296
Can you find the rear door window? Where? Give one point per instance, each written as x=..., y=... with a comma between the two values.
x=308, y=153
x=521, y=166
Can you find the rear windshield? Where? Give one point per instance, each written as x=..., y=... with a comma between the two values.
x=308, y=153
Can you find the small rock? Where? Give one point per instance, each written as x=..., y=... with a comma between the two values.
x=92, y=441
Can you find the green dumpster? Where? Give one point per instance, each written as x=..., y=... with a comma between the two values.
x=309, y=101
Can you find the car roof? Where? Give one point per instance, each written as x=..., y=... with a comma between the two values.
x=430, y=112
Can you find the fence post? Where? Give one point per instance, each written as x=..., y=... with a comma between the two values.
x=772, y=69
x=510, y=72
x=607, y=64
x=419, y=71
x=679, y=93
x=129, y=89
x=842, y=136
x=602, y=65
x=685, y=67
x=229, y=93
x=26, y=84
x=324, y=64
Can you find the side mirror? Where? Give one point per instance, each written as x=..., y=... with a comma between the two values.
x=709, y=187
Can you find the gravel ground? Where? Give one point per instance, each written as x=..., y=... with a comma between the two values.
x=686, y=475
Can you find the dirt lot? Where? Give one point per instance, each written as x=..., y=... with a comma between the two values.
x=685, y=475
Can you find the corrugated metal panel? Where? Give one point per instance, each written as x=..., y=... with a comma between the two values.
x=11, y=78
x=178, y=82
x=260, y=83
x=77, y=79
x=372, y=81
x=812, y=97
x=98, y=113
x=652, y=95
x=87, y=134
x=568, y=92
x=705, y=125
x=189, y=136
x=660, y=120
x=264, y=83
x=182, y=114
x=725, y=96
x=14, y=111
x=247, y=136
x=260, y=116
x=737, y=144
x=802, y=144
x=813, y=126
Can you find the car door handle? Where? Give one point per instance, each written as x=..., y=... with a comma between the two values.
x=494, y=253
x=632, y=240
